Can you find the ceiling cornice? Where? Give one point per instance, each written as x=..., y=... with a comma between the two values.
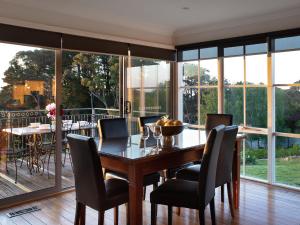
x=282, y=20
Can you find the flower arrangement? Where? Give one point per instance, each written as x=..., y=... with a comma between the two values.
x=51, y=111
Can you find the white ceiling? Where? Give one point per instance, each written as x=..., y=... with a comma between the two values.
x=154, y=22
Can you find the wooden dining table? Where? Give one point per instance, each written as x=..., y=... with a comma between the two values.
x=128, y=157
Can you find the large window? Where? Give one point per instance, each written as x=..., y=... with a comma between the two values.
x=287, y=109
x=198, y=82
x=245, y=97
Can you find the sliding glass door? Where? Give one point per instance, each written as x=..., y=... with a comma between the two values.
x=147, y=89
x=27, y=120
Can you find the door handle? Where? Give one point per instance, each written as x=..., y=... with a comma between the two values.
x=127, y=107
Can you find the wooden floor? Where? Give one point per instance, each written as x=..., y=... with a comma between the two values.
x=260, y=204
x=31, y=182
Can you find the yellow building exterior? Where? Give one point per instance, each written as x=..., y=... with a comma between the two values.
x=20, y=90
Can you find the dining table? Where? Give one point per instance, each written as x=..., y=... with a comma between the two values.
x=128, y=156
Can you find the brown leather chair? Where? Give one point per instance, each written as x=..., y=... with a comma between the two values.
x=148, y=119
x=192, y=194
x=91, y=188
x=224, y=168
x=117, y=128
x=214, y=119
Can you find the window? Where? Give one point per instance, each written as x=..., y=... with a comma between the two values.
x=198, y=82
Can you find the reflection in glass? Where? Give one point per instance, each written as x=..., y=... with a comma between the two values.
x=208, y=102
x=233, y=104
x=189, y=103
x=209, y=72
x=256, y=156
x=288, y=161
x=256, y=107
x=256, y=69
x=234, y=70
x=287, y=106
x=188, y=73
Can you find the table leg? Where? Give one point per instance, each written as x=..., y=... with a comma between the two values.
x=236, y=174
x=135, y=178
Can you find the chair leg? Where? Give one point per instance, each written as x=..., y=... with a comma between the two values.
x=116, y=215
x=80, y=214
x=153, y=213
x=212, y=211
x=201, y=217
x=100, y=218
x=229, y=192
x=144, y=192
x=170, y=215
x=222, y=193
x=82, y=217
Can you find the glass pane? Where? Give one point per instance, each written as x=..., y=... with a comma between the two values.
x=287, y=43
x=190, y=54
x=256, y=156
x=207, y=53
x=208, y=102
x=287, y=105
x=233, y=104
x=234, y=70
x=209, y=72
x=148, y=73
x=286, y=67
x=150, y=101
x=188, y=74
x=288, y=161
x=256, y=69
x=188, y=105
x=233, y=51
x=256, y=107
x=27, y=85
x=256, y=48
x=90, y=91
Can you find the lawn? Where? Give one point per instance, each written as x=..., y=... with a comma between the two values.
x=287, y=170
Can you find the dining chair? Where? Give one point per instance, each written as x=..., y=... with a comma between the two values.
x=116, y=128
x=192, y=194
x=224, y=167
x=215, y=119
x=90, y=187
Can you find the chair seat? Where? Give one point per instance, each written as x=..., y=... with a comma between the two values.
x=180, y=193
x=148, y=179
x=116, y=192
x=190, y=173
x=171, y=172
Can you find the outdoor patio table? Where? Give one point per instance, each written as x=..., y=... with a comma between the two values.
x=126, y=156
x=34, y=154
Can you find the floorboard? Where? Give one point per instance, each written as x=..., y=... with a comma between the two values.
x=260, y=204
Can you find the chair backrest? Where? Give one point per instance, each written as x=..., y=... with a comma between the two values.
x=89, y=181
x=147, y=119
x=224, y=167
x=208, y=169
x=113, y=128
x=213, y=120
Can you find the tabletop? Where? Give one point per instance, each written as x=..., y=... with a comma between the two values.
x=47, y=128
x=130, y=148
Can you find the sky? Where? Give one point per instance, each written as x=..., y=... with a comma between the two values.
x=287, y=67
x=7, y=53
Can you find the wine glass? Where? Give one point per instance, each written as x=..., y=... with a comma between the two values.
x=157, y=134
x=145, y=135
